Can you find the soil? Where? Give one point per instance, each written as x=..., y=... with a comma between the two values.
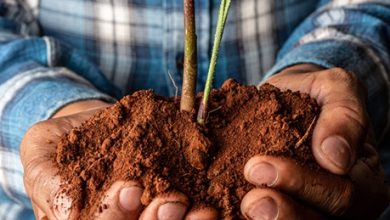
x=145, y=137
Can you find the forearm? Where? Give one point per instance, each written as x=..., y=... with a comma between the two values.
x=80, y=106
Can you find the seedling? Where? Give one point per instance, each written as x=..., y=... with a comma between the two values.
x=190, y=54
x=222, y=16
x=190, y=58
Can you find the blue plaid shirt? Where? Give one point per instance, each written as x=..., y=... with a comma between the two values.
x=55, y=52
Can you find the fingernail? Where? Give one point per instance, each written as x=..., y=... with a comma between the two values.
x=130, y=198
x=171, y=211
x=263, y=173
x=264, y=209
x=338, y=151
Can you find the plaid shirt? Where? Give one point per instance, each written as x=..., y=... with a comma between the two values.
x=55, y=52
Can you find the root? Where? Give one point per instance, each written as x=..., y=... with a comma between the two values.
x=214, y=110
x=306, y=135
x=173, y=82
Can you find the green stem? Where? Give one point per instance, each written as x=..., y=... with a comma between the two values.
x=222, y=16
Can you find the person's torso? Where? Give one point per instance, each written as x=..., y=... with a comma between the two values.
x=138, y=43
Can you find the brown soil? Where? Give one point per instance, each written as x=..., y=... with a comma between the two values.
x=145, y=137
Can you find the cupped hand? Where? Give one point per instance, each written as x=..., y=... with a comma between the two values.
x=342, y=143
x=123, y=199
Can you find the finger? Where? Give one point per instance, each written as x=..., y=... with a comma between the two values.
x=40, y=174
x=121, y=202
x=366, y=173
x=202, y=214
x=43, y=187
x=330, y=193
x=264, y=203
x=342, y=122
x=172, y=206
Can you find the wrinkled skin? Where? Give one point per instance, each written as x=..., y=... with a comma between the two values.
x=341, y=132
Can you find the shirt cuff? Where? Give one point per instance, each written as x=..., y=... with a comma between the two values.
x=38, y=95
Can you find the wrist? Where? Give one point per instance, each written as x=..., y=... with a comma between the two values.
x=302, y=68
x=80, y=106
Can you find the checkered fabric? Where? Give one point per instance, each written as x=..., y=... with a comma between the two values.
x=55, y=52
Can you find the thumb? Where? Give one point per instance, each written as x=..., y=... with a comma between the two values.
x=342, y=123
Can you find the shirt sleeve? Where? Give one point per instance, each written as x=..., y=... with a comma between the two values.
x=353, y=35
x=38, y=75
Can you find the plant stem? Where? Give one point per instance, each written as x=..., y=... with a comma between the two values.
x=190, y=58
x=222, y=16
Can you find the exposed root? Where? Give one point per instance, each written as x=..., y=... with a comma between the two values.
x=174, y=84
x=214, y=110
x=306, y=135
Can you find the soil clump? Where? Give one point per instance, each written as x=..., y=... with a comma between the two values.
x=145, y=137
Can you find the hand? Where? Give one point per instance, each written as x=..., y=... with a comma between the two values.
x=123, y=198
x=342, y=143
